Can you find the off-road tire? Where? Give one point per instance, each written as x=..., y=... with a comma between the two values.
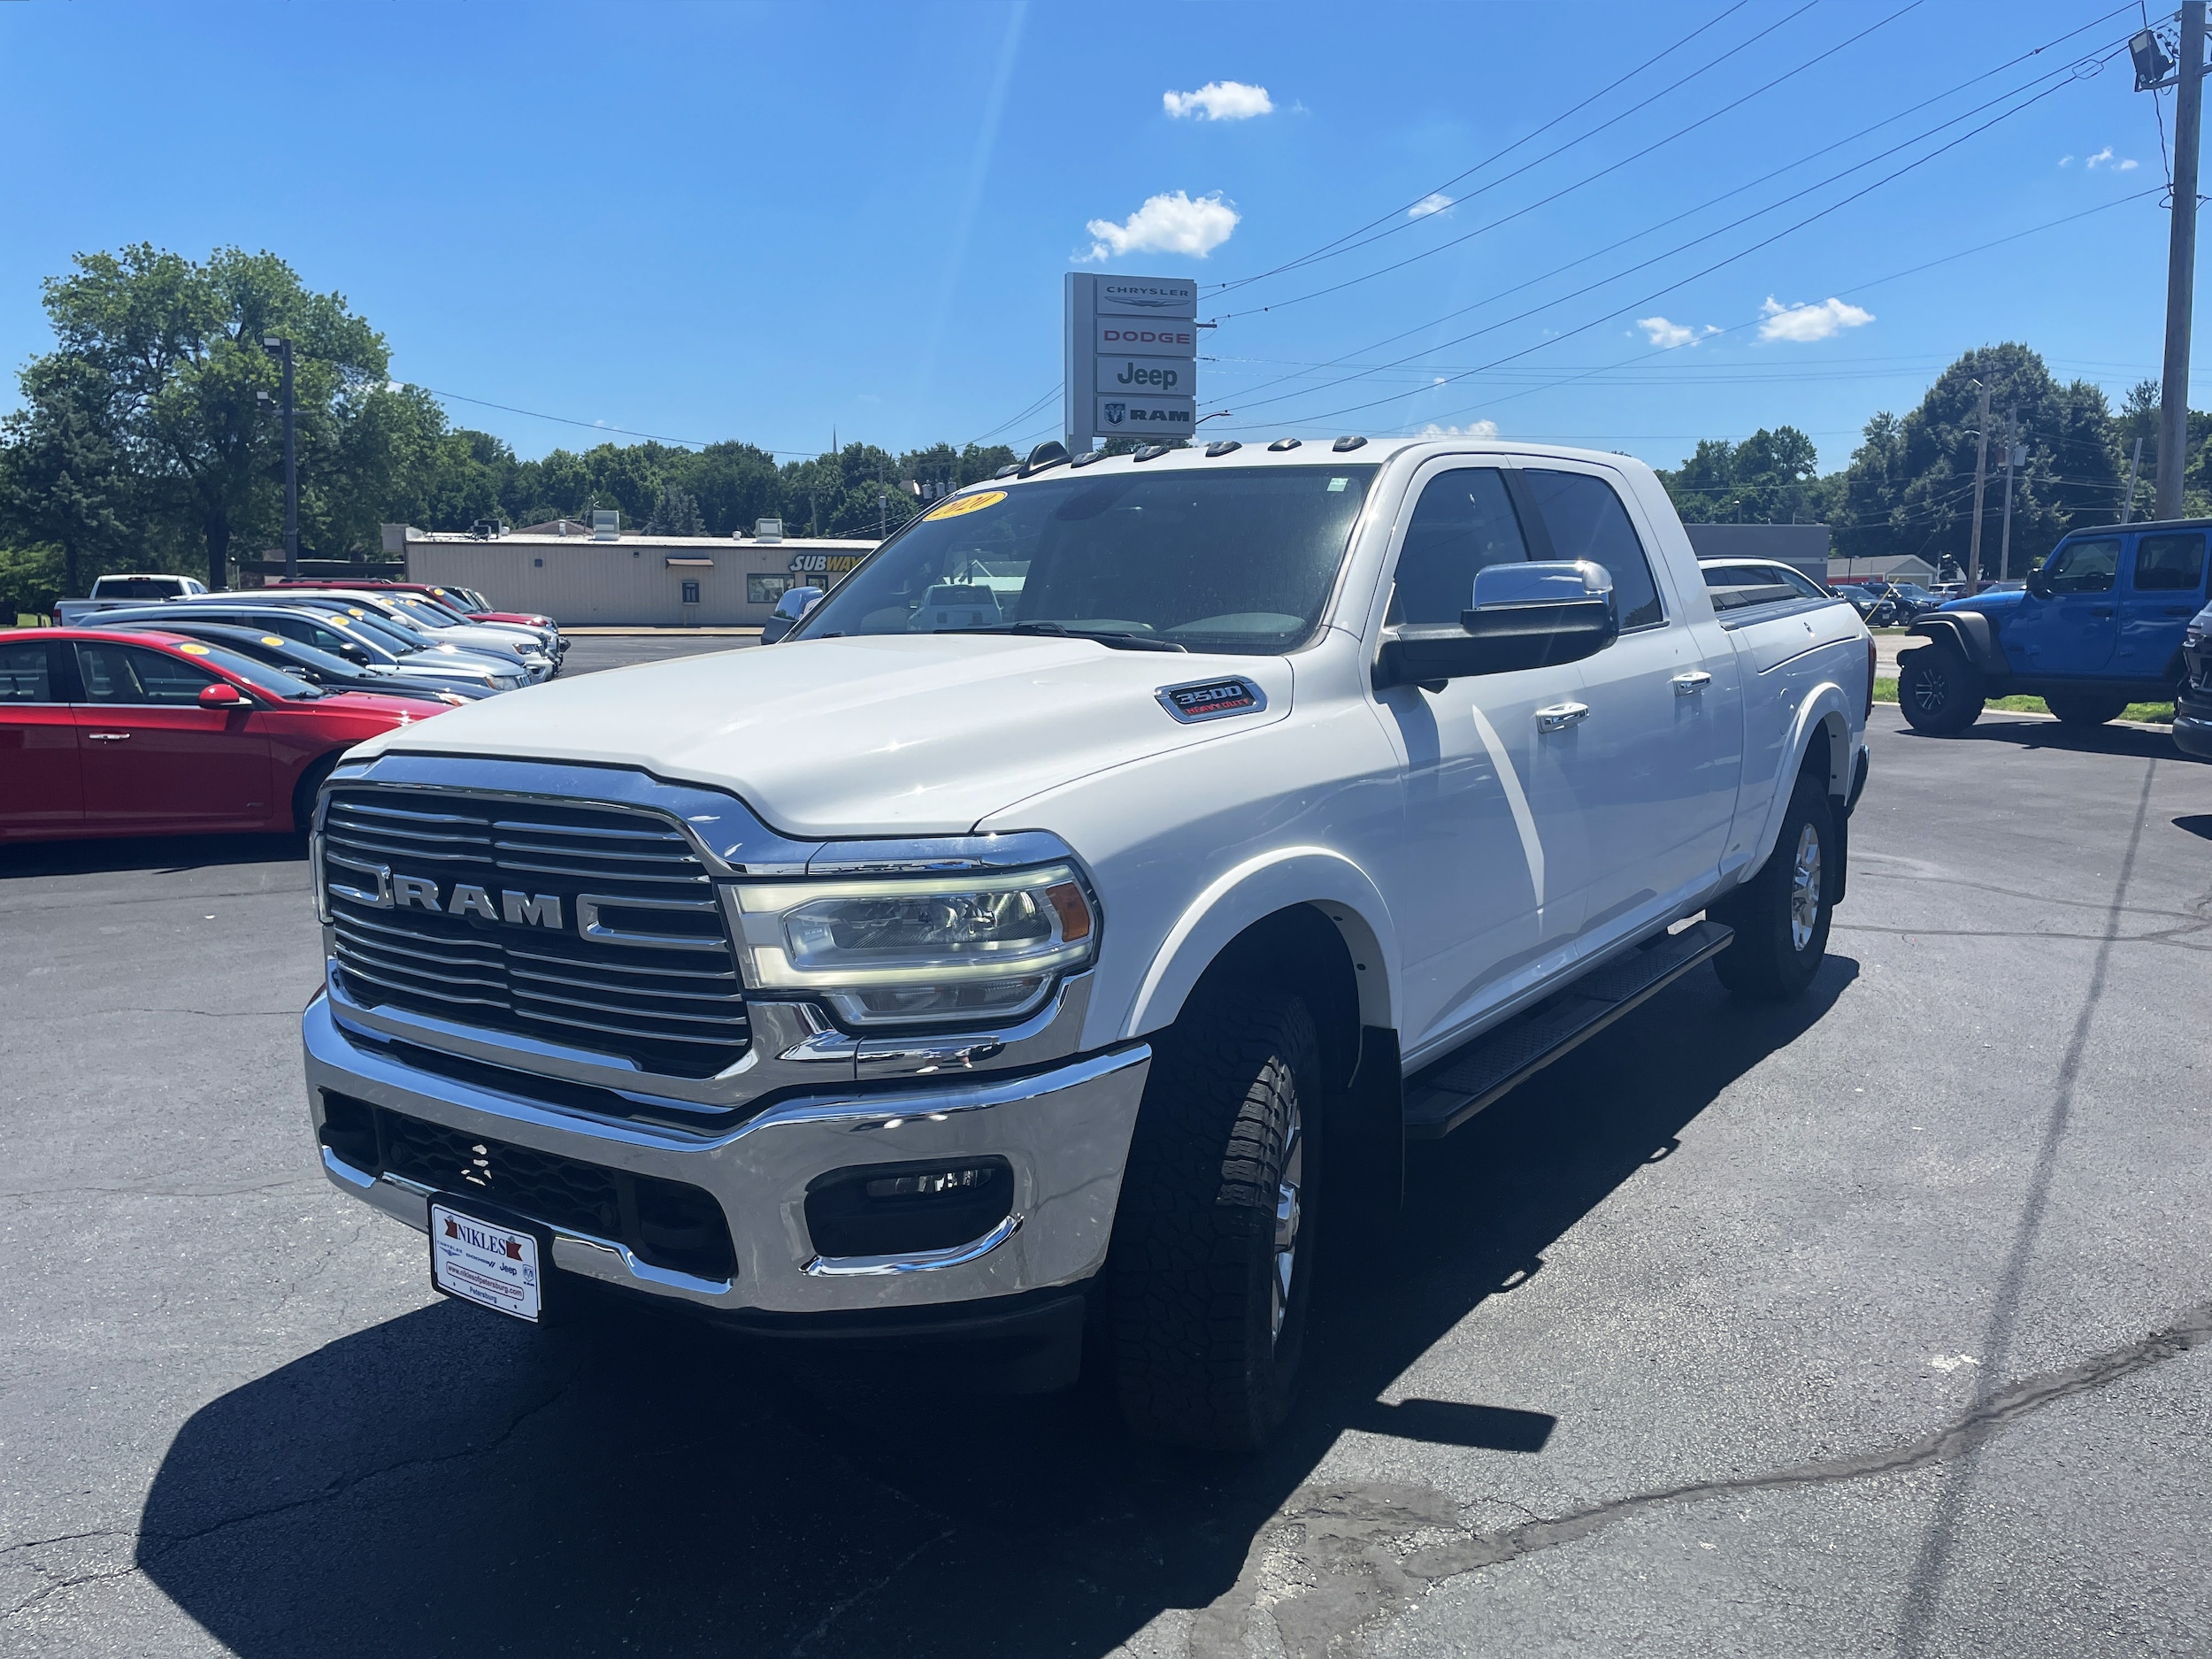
x=2083, y=708
x=309, y=786
x=1198, y=1361
x=1939, y=690
x=1774, y=957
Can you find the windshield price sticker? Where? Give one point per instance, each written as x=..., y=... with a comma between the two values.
x=1211, y=699
x=960, y=504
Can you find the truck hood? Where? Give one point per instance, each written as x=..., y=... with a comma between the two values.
x=891, y=735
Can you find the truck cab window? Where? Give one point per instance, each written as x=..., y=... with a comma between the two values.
x=2170, y=563
x=1464, y=521
x=2084, y=567
x=1587, y=521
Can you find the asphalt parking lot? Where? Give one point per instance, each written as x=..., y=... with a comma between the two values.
x=1877, y=1325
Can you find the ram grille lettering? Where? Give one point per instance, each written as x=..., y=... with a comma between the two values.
x=544, y=911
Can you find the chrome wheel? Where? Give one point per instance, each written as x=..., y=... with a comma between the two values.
x=1286, y=1219
x=1805, y=889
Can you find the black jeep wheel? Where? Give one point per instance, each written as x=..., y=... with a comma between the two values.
x=1781, y=915
x=2083, y=708
x=1939, y=691
x=1212, y=1261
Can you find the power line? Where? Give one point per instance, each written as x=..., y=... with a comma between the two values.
x=1738, y=190
x=1695, y=241
x=1856, y=287
x=1345, y=243
x=1588, y=179
x=1743, y=253
x=1026, y=410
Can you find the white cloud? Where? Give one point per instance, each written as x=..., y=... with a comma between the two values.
x=1667, y=335
x=2103, y=155
x=2065, y=161
x=1221, y=101
x=1473, y=429
x=2128, y=165
x=1435, y=202
x=1167, y=223
x=2105, y=159
x=1804, y=324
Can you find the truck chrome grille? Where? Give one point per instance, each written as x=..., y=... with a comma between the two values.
x=594, y=927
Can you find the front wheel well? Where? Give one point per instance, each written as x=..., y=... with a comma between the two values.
x=1299, y=950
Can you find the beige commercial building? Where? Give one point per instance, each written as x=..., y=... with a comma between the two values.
x=586, y=579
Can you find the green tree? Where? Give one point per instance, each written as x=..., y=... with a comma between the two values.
x=1769, y=478
x=1910, y=486
x=676, y=512
x=176, y=349
x=61, y=477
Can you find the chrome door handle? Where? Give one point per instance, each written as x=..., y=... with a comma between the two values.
x=1560, y=716
x=1690, y=684
x=109, y=737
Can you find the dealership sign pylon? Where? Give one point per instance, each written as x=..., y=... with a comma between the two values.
x=1132, y=358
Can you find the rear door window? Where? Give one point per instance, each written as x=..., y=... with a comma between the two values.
x=1587, y=521
x=2170, y=563
x=1464, y=521
x=27, y=673
x=133, y=674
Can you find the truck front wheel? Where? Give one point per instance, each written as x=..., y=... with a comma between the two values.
x=1939, y=691
x=1781, y=914
x=1212, y=1261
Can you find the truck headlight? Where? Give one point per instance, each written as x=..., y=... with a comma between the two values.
x=896, y=950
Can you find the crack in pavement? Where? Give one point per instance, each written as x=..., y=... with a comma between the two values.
x=204, y=1013
x=2174, y=936
x=28, y=1193
x=1334, y=1560
x=865, y=1592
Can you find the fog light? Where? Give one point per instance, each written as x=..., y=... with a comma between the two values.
x=933, y=1182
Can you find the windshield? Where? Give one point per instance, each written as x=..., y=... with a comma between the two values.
x=1240, y=560
x=430, y=611
x=273, y=682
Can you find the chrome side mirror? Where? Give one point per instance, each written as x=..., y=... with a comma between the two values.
x=1524, y=615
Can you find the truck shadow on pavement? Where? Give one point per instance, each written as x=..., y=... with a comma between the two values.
x=2092, y=740
x=447, y=1481
x=166, y=854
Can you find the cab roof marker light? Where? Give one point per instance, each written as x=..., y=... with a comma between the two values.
x=1226, y=446
x=1008, y=471
x=1088, y=457
x=1281, y=444
x=1343, y=445
x=1150, y=452
x=1047, y=454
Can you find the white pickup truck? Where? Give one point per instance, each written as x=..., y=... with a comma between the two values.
x=111, y=592
x=1040, y=959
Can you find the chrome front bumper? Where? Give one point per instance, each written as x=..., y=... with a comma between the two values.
x=1064, y=1132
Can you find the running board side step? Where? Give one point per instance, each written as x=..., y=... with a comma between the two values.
x=1445, y=1095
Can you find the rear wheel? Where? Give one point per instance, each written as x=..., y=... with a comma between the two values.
x=304, y=792
x=1939, y=691
x=1781, y=915
x=1212, y=1267
x=2083, y=708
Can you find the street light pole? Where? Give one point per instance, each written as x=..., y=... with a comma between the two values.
x=283, y=349
x=1973, y=572
x=2181, y=263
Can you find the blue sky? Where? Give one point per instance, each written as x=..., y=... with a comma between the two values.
x=773, y=222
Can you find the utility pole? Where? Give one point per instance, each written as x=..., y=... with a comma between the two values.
x=2181, y=259
x=283, y=349
x=2012, y=459
x=2135, y=466
x=1981, y=478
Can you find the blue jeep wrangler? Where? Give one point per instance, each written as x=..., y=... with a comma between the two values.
x=2099, y=628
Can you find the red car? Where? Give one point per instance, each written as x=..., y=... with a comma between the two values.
x=104, y=732
x=465, y=602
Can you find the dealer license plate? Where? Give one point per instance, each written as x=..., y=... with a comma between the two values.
x=493, y=1266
